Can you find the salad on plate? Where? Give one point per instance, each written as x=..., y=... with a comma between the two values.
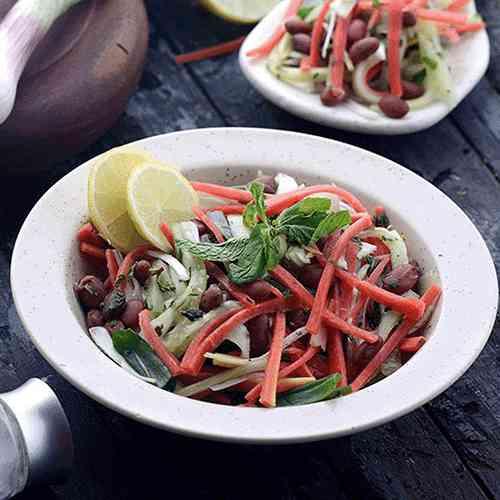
x=271, y=293
x=386, y=55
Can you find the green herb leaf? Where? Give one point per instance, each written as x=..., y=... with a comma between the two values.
x=305, y=11
x=250, y=218
x=319, y=390
x=430, y=63
x=257, y=190
x=221, y=252
x=300, y=221
x=330, y=224
x=419, y=78
x=142, y=358
x=376, y=3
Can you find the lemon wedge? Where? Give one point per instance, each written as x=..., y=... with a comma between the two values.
x=240, y=11
x=158, y=193
x=107, y=196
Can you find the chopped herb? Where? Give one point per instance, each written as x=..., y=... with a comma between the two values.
x=330, y=224
x=305, y=11
x=376, y=4
x=381, y=220
x=430, y=63
x=192, y=314
x=419, y=77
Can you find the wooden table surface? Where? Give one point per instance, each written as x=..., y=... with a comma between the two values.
x=449, y=449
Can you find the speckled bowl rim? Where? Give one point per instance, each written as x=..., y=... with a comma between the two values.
x=466, y=71
x=45, y=250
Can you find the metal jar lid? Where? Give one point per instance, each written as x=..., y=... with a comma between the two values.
x=45, y=429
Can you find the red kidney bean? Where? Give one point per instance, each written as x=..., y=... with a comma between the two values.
x=332, y=97
x=211, y=298
x=130, y=316
x=356, y=31
x=302, y=43
x=409, y=19
x=297, y=25
x=297, y=318
x=364, y=354
x=269, y=183
x=401, y=279
x=114, y=326
x=258, y=290
x=412, y=90
x=393, y=106
x=363, y=49
x=260, y=335
x=364, y=15
x=310, y=274
x=94, y=318
x=141, y=271
x=90, y=292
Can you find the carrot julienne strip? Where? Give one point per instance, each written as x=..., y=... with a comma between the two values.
x=457, y=5
x=254, y=394
x=213, y=340
x=228, y=193
x=413, y=308
x=270, y=383
x=442, y=16
x=375, y=18
x=203, y=217
x=111, y=265
x=88, y=234
x=92, y=251
x=227, y=209
x=279, y=203
x=395, y=10
x=268, y=45
x=412, y=344
x=339, y=46
x=314, y=53
x=214, y=51
x=429, y=298
x=167, y=232
x=214, y=271
x=151, y=337
x=335, y=347
x=306, y=298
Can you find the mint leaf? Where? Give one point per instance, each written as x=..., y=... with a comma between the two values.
x=376, y=3
x=252, y=263
x=142, y=358
x=330, y=224
x=319, y=390
x=430, y=63
x=250, y=218
x=300, y=221
x=257, y=190
x=222, y=252
x=305, y=11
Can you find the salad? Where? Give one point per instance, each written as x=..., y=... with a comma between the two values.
x=389, y=55
x=271, y=294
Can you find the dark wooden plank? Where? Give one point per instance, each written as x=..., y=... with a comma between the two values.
x=458, y=171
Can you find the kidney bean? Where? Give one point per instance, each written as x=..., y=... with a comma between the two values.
x=409, y=19
x=260, y=335
x=258, y=290
x=114, y=326
x=412, y=90
x=332, y=97
x=130, y=316
x=364, y=15
x=297, y=318
x=297, y=25
x=302, y=43
x=114, y=304
x=401, y=279
x=94, y=318
x=393, y=106
x=363, y=49
x=202, y=229
x=269, y=183
x=211, y=298
x=310, y=274
x=141, y=271
x=356, y=31
x=90, y=292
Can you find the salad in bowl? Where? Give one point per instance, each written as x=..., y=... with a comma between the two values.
x=271, y=293
x=385, y=56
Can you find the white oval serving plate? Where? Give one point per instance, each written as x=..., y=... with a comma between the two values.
x=468, y=61
x=46, y=263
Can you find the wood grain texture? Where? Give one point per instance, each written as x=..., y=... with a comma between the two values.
x=448, y=450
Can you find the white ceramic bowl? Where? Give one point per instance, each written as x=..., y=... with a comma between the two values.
x=46, y=263
x=468, y=61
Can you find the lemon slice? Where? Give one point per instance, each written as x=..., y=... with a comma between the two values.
x=158, y=193
x=107, y=196
x=240, y=11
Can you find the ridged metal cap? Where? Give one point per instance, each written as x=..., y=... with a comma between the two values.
x=45, y=429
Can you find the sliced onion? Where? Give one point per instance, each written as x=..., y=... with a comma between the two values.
x=285, y=183
x=240, y=336
x=359, y=77
x=365, y=250
x=320, y=339
x=180, y=270
x=229, y=383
